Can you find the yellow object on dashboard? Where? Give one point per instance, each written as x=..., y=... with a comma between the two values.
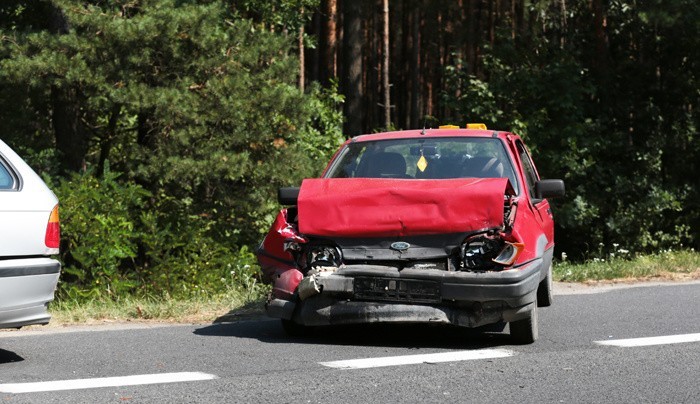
x=481, y=126
x=448, y=127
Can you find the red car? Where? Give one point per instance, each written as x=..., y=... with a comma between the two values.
x=441, y=225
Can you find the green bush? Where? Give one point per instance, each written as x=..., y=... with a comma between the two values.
x=118, y=239
x=100, y=234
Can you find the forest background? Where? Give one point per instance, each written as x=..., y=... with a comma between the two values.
x=166, y=126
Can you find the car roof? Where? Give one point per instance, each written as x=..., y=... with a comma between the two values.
x=430, y=133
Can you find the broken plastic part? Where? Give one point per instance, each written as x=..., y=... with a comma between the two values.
x=509, y=254
x=324, y=256
x=291, y=246
x=479, y=252
x=285, y=283
x=308, y=287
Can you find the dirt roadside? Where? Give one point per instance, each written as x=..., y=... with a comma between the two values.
x=572, y=288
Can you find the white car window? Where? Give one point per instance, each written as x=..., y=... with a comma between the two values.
x=7, y=180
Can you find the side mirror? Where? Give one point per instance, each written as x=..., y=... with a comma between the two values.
x=549, y=189
x=288, y=195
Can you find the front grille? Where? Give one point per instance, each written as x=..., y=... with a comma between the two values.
x=396, y=290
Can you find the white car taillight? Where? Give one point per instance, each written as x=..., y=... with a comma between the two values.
x=53, y=232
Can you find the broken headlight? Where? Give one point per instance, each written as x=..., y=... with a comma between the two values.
x=323, y=256
x=484, y=252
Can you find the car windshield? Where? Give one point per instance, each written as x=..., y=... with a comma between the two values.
x=419, y=158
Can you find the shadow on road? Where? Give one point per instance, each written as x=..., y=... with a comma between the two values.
x=9, y=357
x=390, y=335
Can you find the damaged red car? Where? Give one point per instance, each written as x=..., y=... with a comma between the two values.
x=443, y=225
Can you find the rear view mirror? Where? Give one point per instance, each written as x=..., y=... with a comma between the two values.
x=549, y=189
x=288, y=195
x=425, y=150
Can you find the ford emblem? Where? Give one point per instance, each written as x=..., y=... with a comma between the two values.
x=400, y=246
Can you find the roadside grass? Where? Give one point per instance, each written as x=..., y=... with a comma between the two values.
x=664, y=265
x=240, y=302
x=234, y=304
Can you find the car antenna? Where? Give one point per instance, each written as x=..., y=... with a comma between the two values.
x=423, y=131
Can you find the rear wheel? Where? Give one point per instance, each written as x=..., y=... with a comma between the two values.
x=544, y=290
x=525, y=331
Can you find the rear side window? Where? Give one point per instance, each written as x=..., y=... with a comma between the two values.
x=7, y=178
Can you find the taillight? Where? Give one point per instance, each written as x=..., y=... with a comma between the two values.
x=53, y=231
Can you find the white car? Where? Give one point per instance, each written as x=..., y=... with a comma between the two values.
x=29, y=236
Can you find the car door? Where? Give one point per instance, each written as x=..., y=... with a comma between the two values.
x=541, y=209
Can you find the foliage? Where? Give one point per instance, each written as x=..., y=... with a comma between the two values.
x=621, y=135
x=167, y=126
x=621, y=265
x=284, y=15
x=191, y=120
x=115, y=242
x=99, y=236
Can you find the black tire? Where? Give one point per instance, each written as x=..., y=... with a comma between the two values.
x=544, y=290
x=525, y=331
x=295, y=329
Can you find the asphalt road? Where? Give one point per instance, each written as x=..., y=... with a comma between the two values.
x=253, y=361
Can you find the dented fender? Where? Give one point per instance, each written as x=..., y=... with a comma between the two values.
x=278, y=265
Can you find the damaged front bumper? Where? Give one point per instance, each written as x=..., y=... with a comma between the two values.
x=372, y=293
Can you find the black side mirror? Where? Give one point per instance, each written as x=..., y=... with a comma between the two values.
x=288, y=195
x=549, y=189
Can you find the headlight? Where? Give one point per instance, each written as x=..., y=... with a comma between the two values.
x=323, y=256
x=509, y=253
x=484, y=252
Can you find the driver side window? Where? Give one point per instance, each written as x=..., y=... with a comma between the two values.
x=529, y=170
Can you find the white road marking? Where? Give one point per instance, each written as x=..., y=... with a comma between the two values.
x=79, y=384
x=663, y=340
x=414, y=359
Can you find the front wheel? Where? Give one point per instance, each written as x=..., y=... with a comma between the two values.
x=525, y=331
x=544, y=290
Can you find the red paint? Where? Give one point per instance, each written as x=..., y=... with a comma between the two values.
x=286, y=282
x=273, y=258
x=412, y=134
x=371, y=207
x=278, y=265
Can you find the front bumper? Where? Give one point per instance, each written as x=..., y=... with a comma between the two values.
x=468, y=299
x=27, y=286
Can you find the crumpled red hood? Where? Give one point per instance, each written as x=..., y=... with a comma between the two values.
x=373, y=207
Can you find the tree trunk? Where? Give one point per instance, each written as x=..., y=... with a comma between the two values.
x=315, y=53
x=471, y=37
x=563, y=29
x=352, y=59
x=302, y=61
x=70, y=134
x=108, y=138
x=385, y=66
x=415, y=73
x=330, y=60
x=600, y=57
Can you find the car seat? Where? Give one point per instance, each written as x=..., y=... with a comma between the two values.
x=483, y=167
x=386, y=165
